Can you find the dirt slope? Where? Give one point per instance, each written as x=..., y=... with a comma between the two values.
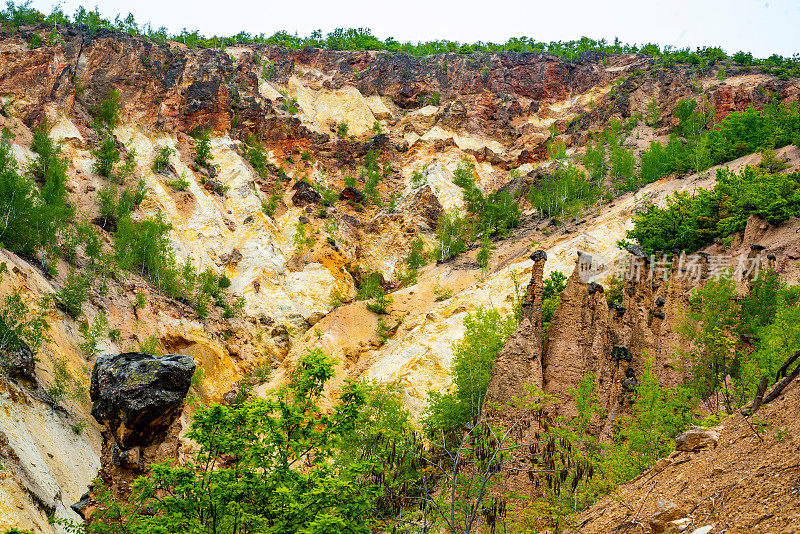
x=748, y=484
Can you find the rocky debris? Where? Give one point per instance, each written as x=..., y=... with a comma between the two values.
x=231, y=258
x=20, y=362
x=304, y=194
x=638, y=251
x=351, y=194
x=80, y=506
x=215, y=186
x=667, y=518
x=129, y=459
x=661, y=464
x=695, y=439
x=138, y=395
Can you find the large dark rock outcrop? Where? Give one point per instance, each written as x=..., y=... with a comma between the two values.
x=139, y=395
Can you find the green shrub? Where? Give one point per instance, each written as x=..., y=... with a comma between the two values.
x=106, y=155
x=553, y=286
x=486, y=334
x=144, y=247
x=380, y=305
x=688, y=223
x=341, y=129
x=258, y=158
x=180, y=184
x=202, y=149
x=19, y=323
x=108, y=110
x=115, y=204
x=369, y=285
x=73, y=293
x=564, y=194
x=92, y=333
x=161, y=159
x=65, y=386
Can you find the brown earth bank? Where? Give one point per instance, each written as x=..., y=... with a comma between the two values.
x=747, y=483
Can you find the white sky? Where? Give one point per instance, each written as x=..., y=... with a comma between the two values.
x=762, y=27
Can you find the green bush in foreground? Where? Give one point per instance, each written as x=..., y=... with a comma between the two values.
x=261, y=465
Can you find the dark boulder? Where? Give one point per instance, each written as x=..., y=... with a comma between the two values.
x=80, y=506
x=139, y=395
x=109, y=224
x=630, y=384
x=594, y=287
x=16, y=356
x=539, y=255
x=621, y=353
x=304, y=194
x=425, y=204
x=352, y=194
x=379, y=142
x=639, y=252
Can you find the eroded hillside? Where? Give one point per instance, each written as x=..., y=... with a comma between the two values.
x=294, y=227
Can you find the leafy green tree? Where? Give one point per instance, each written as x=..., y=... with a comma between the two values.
x=202, y=149
x=19, y=206
x=485, y=335
x=689, y=222
x=73, y=293
x=108, y=110
x=563, y=194
x=450, y=235
x=484, y=254
x=263, y=465
x=622, y=169
x=161, y=159
x=658, y=414
x=106, y=155
x=21, y=323
x=653, y=113
x=710, y=323
x=595, y=160
x=495, y=213
x=554, y=285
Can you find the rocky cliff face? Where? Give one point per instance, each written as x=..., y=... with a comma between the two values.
x=496, y=110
